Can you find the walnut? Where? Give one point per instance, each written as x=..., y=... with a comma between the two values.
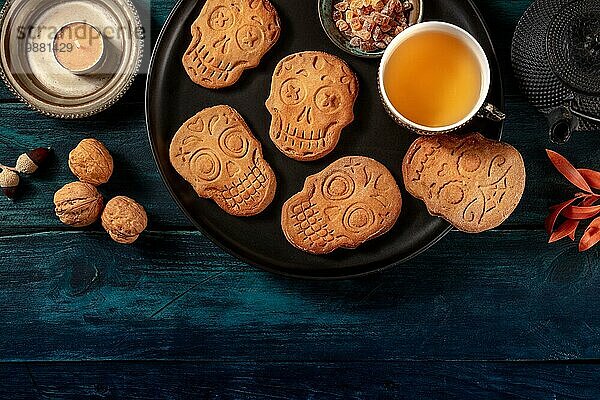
x=91, y=162
x=124, y=219
x=78, y=204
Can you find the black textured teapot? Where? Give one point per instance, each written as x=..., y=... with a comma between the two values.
x=556, y=59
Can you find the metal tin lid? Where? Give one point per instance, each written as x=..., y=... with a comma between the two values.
x=29, y=66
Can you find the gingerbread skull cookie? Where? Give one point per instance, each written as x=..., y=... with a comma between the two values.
x=311, y=101
x=217, y=154
x=229, y=37
x=353, y=200
x=472, y=182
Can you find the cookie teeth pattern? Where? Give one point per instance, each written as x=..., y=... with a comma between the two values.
x=204, y=65
x=246, y=191
x=310, y=225
x=292, y=136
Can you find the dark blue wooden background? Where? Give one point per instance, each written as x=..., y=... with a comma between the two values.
x=498, y=315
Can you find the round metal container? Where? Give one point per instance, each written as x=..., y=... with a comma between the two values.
x=29, y=66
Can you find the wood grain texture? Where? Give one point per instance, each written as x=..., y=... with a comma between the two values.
x=122, y=130
x=78, y=296
x=210, y=380
x=238, y=332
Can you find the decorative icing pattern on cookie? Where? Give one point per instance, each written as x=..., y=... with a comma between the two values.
x=217, y=154
x=473, y=182
x=353, y=200
x=311, y=101
x=229, y=37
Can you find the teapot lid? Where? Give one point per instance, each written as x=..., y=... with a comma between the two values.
x=573, y=45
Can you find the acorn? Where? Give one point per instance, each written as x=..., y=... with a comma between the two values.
x=29, y=162
x=9, y=181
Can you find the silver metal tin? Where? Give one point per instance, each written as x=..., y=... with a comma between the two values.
x=30, y=70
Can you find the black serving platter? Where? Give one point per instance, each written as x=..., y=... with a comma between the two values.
x=172, y=98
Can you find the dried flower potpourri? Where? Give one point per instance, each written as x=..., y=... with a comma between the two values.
x=581, y=207
x=371, y=24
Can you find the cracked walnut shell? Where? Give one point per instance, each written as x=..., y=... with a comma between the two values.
x=78, y=204
x=124, y=219
x=91, y=162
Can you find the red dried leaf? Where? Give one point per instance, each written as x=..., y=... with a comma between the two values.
x=567, y=228
x=591, y=236
x=568, y=171
x=556, y=210
x=580, y=212
x=588, y=201
x=572, y=234
x=591, y=177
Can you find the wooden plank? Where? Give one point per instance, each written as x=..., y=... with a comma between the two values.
x=501, y=17
x=496, y=296
x=123, y=130
x=409, y=380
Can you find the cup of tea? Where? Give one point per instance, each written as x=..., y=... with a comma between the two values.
x=434, y=78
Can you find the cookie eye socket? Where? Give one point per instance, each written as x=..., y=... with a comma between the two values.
x=469, y=162
x=234, y=144
x=292, y=92
x=205, y=165
x=358, y=218
x=328, y=99
x=249, y=37
x=221, y=18
x=452, y=193
x=338, y=186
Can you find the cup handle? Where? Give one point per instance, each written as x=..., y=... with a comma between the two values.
x=491, y=112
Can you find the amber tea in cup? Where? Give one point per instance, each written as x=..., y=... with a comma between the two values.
x=434, y=77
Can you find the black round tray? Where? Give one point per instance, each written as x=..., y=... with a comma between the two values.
x=172, y=98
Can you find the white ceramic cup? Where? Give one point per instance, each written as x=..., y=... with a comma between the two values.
x=480, y=108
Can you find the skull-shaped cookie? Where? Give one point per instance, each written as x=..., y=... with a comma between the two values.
x=229, y=37
x=353, y=200
x=217, y=154
x=472, y=182
x=311, y=101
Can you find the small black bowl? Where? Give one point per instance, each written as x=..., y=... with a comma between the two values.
x=326, y=16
